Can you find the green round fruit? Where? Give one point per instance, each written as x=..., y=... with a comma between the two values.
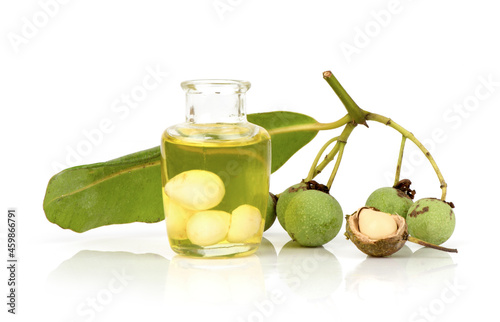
x=270, y=212
x=313, y=218
x=285, y=198
x=431, y=220
x=390, y=200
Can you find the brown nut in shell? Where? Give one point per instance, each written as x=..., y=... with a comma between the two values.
x=380, y=247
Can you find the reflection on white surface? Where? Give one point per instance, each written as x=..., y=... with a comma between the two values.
x=429, y=269
x=106, y=286
x=197, y=288
x=380, y=277
x=97, y=285
x=214, y=281
x=268, y=257
x=233, y=281
x=313, y=273
x=401, y=286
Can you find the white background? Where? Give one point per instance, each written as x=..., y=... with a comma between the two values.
x=432, y=66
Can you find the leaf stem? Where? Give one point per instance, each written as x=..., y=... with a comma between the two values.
x=387, y=121
x=400, y=160
x=312, y=126
x=357, y=114
x=316, y=160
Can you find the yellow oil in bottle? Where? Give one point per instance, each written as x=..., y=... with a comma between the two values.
x=229, y=165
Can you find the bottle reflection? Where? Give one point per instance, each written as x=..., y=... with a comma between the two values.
x=198, y=288
x=220, y=281
x=238, y=280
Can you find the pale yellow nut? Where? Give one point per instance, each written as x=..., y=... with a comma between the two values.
x=176, y=218
x=196, y=189
x=245, y=223
x=208, y=227
x=376, y=224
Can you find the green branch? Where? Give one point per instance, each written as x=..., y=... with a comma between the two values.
x=341, y=140
x=337, y=164
x=310, y=175
x=387, y=121
x=400, y=160
x=357, y=114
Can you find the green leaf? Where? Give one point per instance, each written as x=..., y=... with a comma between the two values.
x=128, y=189
x=286, y=135
x=113, y=192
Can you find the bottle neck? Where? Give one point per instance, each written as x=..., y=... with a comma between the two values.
x=215, y=108
x=215, y=101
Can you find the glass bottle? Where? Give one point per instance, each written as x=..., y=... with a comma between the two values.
x=215, y=173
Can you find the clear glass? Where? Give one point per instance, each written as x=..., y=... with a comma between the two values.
x=215, y=173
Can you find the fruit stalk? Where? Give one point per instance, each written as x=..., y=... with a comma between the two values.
x=337, y=164
x=400, y=160
x=318, y=156
x=426, y=244
x=387, y=121
x=342, y=139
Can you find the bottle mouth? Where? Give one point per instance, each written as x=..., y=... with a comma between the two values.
x=215, y=86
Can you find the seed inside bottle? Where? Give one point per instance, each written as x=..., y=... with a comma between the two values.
x=196, y=189
x=208, y=227
x=245, y=222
